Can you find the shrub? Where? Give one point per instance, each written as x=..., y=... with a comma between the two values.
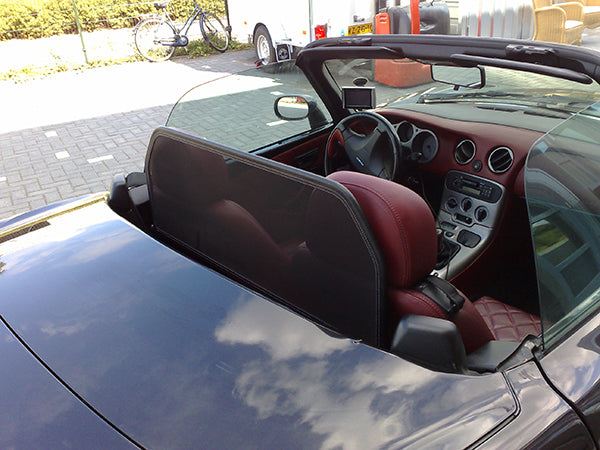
x=28, y=19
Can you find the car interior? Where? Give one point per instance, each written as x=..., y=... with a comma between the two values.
x=402, y=224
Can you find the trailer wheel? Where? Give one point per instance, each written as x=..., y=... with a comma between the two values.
x=263, y=45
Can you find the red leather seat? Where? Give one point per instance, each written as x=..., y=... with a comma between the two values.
x=404, y=227
x=506, y=322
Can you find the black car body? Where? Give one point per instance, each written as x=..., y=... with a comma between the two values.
x=233, y=296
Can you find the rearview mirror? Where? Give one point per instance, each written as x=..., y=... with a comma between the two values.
x=471, y=77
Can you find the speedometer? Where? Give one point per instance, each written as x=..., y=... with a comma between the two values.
x=405, y=131
x=425, y=143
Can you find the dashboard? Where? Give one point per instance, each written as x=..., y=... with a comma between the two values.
x=470, y=211
x=479, y=164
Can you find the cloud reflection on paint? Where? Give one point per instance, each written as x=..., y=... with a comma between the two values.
x=364, y=400
x=292, y=339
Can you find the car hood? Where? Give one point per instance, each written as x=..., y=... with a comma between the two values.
x=173, y=354
x=36, y=411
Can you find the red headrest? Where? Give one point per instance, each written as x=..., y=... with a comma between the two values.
x=402, y=223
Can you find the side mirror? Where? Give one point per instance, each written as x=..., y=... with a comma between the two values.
x=293, y=107
x=471, y=77
x=298, y=107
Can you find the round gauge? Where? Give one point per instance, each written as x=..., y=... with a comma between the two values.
x=405, y=131
x=425, y=143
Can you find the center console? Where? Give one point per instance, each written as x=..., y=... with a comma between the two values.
x=470, y=210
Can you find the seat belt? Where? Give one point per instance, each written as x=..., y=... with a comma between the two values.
x=442, y=293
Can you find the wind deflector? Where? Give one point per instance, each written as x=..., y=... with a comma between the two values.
x=563, y=199
x=298, y=237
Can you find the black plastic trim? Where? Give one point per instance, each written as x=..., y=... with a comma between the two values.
x=567, y=74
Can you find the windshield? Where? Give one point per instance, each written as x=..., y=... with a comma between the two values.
x=562, y=184
x=238, y=110
x=399, y=83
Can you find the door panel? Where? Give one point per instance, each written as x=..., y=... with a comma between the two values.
x=544, y=420
x=573, y=367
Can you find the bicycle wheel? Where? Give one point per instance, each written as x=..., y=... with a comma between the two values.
x=214, y=32
x=155, y=39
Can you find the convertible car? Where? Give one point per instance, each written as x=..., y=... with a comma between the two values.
x=392, y=241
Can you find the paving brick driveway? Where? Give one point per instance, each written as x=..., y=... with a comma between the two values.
x=69, y=134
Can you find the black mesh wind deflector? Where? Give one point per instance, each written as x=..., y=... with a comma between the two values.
x=295, y=236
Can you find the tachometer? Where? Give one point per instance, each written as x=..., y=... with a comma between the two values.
x=425, y=143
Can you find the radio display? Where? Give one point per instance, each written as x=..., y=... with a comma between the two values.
x=470, y=190
x=473, y=186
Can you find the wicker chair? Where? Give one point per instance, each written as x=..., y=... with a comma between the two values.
x=591, y=13
x=562, y=22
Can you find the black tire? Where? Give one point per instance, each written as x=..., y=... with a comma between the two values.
x=214, y=32
x=264, y=46
x=150, y=36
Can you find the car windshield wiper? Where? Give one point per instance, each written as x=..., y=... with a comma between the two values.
x=456, y=96
x=549, y=102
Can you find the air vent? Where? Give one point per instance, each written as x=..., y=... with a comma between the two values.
x=464, y=152
x=500, y=159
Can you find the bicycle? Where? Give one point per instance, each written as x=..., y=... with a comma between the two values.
x=157, y=36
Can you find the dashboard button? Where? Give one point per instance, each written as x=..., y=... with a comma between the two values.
x=481, y=214
x=464, y=219
x=468, y=239
x=451, y=203
x=467, y=204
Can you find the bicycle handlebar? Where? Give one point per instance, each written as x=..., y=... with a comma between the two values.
x=162, y=5
x=165, y=3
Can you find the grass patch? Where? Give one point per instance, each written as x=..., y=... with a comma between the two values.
x=200, y=47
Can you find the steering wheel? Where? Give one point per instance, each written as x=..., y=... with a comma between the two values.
x=374, y=152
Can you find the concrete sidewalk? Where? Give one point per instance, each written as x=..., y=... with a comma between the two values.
x=69, y=134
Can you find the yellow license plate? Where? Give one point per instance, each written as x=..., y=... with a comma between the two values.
x=360, y=29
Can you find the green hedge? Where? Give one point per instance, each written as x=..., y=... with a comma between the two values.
x=29, y=19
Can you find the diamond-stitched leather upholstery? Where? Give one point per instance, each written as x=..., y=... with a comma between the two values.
x=506, y=322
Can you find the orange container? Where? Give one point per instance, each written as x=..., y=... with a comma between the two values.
x=398, y=72
x=401, y=72
x=382, y=23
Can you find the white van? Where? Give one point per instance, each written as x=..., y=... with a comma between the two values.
x=278, y=27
